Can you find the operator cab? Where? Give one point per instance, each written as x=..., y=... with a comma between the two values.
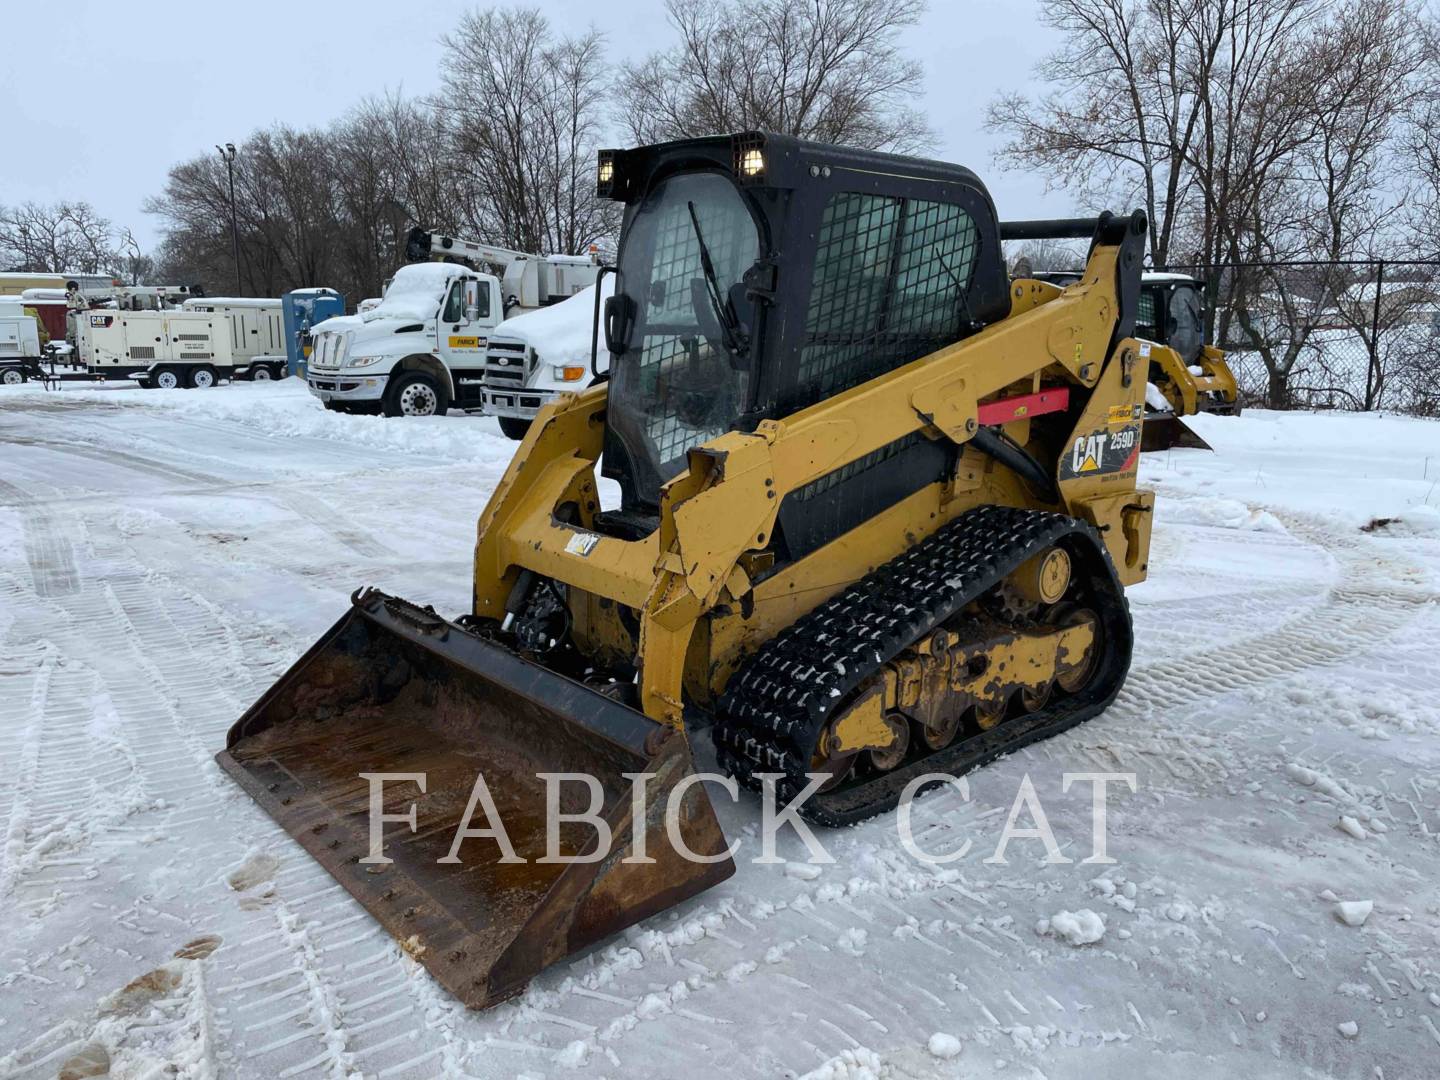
x=885, y=258
x=1172, y=312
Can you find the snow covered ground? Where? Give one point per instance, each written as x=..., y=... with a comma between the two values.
x=164, y=556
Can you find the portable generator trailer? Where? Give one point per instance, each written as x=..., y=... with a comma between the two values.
x=878, y=510
x=256, y=327
x=162, y=349
x=20, y=349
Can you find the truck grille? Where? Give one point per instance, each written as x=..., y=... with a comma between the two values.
x=329, y=350
x=506, y=363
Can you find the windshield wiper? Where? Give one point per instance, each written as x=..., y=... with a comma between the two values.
x=731, y=332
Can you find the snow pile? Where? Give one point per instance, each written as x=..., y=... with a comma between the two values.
x=944, y=1046
x=1416, y=521
x=287, y=410
x=1354, y=912
x=1216, y=513
x=560, y=333
x=860, y=1064
x=1082, y=927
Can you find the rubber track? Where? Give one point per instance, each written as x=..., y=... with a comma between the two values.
x=774, y=708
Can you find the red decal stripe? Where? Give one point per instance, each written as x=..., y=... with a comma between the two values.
x=1025, y=406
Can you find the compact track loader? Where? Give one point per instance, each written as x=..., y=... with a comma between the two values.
x=1191, y=375
x=877, y=512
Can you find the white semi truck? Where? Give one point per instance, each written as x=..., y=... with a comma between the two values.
x=421, y=349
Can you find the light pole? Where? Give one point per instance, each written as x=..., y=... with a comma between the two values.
x=227, y=155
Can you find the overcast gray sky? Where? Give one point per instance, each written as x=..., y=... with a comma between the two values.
x=100, y=99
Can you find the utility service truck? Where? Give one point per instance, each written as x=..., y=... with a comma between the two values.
x=421, y=349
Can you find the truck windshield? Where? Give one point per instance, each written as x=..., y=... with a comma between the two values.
x=679, y=383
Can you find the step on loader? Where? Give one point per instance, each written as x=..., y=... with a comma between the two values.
x=877, y=512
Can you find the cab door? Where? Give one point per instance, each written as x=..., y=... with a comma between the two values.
x=466, y=319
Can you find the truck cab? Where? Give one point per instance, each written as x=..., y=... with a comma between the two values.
x=418, y=352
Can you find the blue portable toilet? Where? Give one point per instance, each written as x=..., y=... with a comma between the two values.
x=302, y=310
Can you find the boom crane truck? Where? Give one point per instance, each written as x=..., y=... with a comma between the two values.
x=421, y=350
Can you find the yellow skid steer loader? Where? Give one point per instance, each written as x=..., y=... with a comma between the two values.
x=877, y=512
x=1191, y=376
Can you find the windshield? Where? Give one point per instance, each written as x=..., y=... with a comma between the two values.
x=1185, y=323
x=681, y=382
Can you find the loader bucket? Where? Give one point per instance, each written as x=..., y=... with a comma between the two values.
x=393, y=688
x=1165, y=431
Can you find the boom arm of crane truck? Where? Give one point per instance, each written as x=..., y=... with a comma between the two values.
x=526, y=281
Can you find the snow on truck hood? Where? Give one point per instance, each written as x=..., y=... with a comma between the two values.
x=560, y=333
x=414, y=295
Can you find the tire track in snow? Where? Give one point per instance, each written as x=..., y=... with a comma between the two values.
x=49, y=552
x=1371, y=600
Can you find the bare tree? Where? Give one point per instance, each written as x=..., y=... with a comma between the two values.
x=1252, y=131
x=1036, y=256
x=56, y=238
x=1422, y=149
x=135, y=266
x=830, y=70
x=520, y=112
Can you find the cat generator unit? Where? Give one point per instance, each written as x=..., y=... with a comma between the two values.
x=877, y=513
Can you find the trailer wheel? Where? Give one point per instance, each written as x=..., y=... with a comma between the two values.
x=415, y=394
x=204, y=377
x=260, y=373
x=166, y=379
x=514, y=427
x=12, y=376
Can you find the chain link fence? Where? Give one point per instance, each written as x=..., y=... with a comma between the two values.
x=1330, y=335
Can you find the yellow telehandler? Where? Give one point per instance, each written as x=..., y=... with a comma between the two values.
x=877, y=510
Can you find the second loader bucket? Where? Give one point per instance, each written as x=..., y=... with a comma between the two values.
x=392, y=688
x=1166, y=431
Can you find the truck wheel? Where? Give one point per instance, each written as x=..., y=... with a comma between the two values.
x=514, y=427
x=166, y=379
x=12, y=376
x=204, y=377
x=415, y=394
